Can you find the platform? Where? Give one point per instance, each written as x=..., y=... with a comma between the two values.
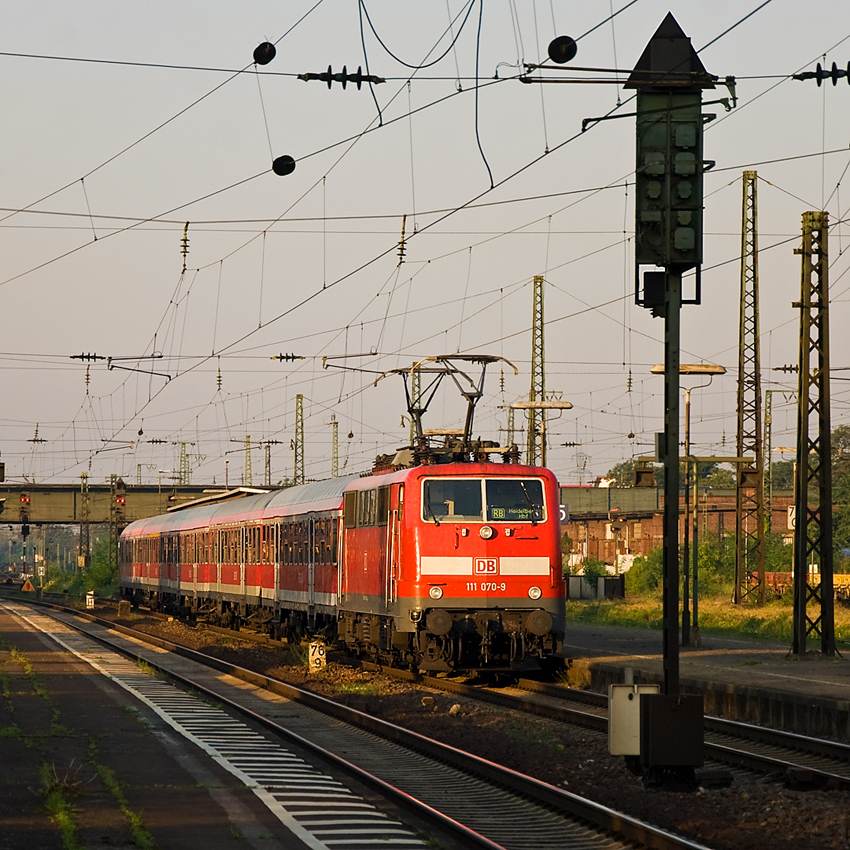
x=67, y=729
x=746, y=680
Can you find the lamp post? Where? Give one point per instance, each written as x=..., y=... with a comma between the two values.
x=690, y=638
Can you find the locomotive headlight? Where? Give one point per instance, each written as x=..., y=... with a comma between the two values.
x=535, y=592
x=436, y=593
x=486, y=532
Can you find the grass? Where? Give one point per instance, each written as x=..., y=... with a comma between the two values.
x=368, y=690
x=141, y=837
x=19, y=658
x=717, y=616
x=57, y=792
x=143, y=667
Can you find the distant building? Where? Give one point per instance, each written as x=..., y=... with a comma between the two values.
x=615, y=524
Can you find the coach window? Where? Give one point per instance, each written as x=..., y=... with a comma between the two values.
x=383, y=505
x=286, y=542
x=273, y=536
x=252, y=544
x=349, y=511
x=366, y=508
x=298, y=547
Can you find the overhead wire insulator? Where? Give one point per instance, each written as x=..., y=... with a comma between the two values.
x=344, y=78
x=822, y=74
x=401, y=245
x=184, y=245
x=218, y=376
x=88, y=378
x=287, y=357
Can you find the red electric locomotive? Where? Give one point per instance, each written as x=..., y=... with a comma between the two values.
x=439, y=559
x=453, y=566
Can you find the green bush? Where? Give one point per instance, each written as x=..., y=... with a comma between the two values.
x=100, y=577
x=645, y=578
x=592, y=570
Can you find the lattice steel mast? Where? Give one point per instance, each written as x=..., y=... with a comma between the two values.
x=185, y=475
x=536, y=441
x=813, y=532
x=749, y=512
x=298, y=447
x=249, y=472
x=334, y=446
x=84, y=558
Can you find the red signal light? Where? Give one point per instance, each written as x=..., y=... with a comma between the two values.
x=25, y=499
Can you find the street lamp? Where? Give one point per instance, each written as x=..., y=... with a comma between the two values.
x=709, y=369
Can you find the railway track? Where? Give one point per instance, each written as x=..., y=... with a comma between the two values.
x=797, y=758
x=481, y=804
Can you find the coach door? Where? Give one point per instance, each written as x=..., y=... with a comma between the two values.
x=396, y=504
x=311, y=565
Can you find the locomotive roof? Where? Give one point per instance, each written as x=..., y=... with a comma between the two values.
x=318, y=495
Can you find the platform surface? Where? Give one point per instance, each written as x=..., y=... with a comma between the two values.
x=737, y=662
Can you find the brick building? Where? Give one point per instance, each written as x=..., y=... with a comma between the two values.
x=618, y=523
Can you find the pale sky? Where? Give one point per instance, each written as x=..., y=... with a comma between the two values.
x=103, y=164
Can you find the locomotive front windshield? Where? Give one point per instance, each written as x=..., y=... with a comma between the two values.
x=483, y=500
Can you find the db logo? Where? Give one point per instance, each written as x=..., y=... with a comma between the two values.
x=485, y=566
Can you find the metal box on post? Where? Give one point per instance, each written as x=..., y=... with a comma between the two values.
x=624, y=718
x=671, y=730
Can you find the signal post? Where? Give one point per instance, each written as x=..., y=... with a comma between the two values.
x=669, y=79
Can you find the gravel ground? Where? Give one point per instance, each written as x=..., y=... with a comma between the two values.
x=747, y=815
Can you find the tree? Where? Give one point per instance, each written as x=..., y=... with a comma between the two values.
x=623, y=473
x=841, y=491
x=782, y=475
x=715, y=476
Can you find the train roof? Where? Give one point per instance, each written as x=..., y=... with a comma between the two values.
x=316, y=496
x=322, y=495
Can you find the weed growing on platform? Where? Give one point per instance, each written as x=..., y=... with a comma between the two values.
x=141, y=837
x=57, y=792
